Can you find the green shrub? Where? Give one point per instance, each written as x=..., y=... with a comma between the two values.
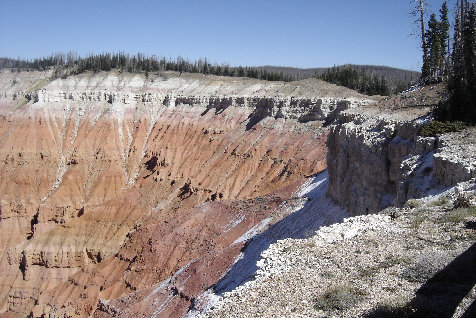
x=327, y=274
x=459, y=215
x=461, y=202
x=435, y=128
x=419, y=218
x=388, y=262
x=442, y=201
x=368, y=272
x=425, y=267
x=412, y=204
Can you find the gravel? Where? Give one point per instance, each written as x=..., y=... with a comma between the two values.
x=365, y=266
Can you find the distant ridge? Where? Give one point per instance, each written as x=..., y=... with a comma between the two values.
x=367, y=79
x=392, y=75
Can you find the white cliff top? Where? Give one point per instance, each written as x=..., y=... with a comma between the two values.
x=186, y=84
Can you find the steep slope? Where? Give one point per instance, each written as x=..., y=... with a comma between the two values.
x=377, y=158
x=413, y=260
x=123, y=194
x=416, y=261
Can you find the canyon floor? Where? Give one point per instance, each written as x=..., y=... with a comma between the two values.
x=184, y=194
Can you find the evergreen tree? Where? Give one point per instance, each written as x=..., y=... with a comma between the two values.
x=419, y=10
x=349, y=77
x=433, y=43
x=462, y=82
x=444, y=38
x=437, y=41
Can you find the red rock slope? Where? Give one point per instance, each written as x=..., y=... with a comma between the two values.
x=122, y=194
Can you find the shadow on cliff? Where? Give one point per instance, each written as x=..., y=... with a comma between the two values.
x=318, y=211
x=442, y=293
x=263, y=109
x=220, y=105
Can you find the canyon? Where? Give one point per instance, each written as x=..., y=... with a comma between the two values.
x=194, y=195
x=124, y=194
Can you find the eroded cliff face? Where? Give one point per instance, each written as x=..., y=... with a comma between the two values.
x=414, y=260
x=376, y=157
x=122, y=194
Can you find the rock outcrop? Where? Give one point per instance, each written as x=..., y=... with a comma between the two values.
x=373, y=161
x=376, y=157
x=455, y=161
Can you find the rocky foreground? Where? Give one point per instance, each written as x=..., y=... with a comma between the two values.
x=418, y=260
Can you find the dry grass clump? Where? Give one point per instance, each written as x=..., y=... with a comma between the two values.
x=338, y=298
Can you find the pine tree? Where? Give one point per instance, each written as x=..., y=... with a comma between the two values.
x=462, y=83
x=436, y=41
x=419, y=10
x=433, y=46
x=205, y=67
x=444, y=38
x=469, y=51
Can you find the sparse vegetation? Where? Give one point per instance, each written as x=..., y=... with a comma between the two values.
x=459, y=214
x=327, y=274
x=425, y=267
x=435, y=128
x=338, y=298
x=388, y=262
x=412, y=204
x=461, y=201
x=368, y=272
x=441, y=201
x=393, y=260
x=419, y=218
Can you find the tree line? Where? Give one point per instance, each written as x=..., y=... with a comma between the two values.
x=456, y=65
x=64, y=65
x=360, y=81
x=462, y=81
x=436, y=62
x=434, y=40
x=72, y=64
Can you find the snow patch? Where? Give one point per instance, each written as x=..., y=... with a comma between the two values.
x=316, y=211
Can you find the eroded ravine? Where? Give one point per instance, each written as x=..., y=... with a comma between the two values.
x=110, y=184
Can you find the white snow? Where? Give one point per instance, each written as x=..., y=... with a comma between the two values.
x=316, y=211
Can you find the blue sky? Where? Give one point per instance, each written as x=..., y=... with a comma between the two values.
x=241, y=32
